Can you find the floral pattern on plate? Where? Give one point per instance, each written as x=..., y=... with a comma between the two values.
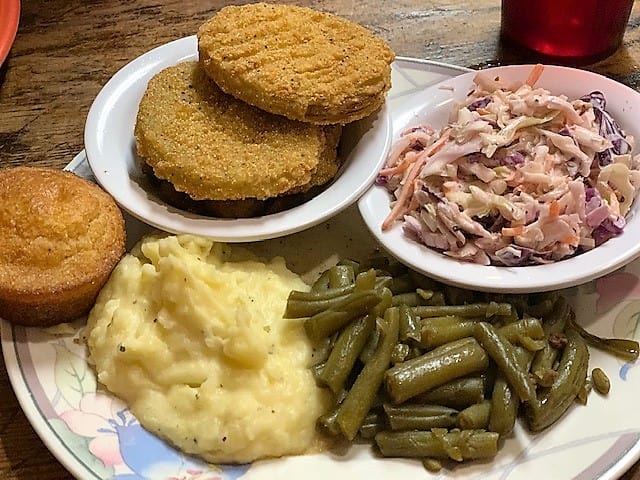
x=95, y=436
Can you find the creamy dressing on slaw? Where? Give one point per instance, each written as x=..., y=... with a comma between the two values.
x=519, y=176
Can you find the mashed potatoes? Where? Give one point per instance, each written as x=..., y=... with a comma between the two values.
x=190, y=334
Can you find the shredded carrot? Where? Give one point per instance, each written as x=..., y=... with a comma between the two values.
x=513, y=231
x=409, y=186
x=399, y=168
x=554, y=209
x=571, y=240
x=534, y=76
x=482, y=111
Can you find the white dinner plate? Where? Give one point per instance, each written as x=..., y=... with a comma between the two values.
x=110, y=146
x=95, y=437
x=432, y=106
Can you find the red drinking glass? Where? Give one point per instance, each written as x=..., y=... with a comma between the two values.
x=569, y=31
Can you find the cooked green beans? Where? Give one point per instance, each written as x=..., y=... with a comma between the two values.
x=572, y=373
x=436, y=331
x=554, y=323
x=621, y=347
x=341, y=275
x=458, y=393
x=419, y=416
x=345, y=352
x=410, y=330
x=438, y=372
x=356, y=405
x=438, y=443
x=527, y=332
x=435, y=368
x=504, y=407
x=474, y=417
x=470, y=310
x=329, y=321
x=501, y=352
x=504, y=400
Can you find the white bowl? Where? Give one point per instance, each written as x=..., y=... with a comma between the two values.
x=432, y=106
x=111, y=152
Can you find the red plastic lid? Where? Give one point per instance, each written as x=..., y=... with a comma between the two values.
x=9, y=19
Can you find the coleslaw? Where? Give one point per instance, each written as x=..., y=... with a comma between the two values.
x=519, y=176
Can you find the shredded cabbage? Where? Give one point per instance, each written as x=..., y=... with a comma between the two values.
x=519, y=176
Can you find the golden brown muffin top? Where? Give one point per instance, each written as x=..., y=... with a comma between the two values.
x=297, y=62
x=57, y=229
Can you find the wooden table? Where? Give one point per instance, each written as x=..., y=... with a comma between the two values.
x=66, y=50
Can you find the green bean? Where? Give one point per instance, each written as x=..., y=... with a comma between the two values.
x=583, y=393
x=504, y=407
x=410, y=330
x=366, y=280
x=425, y=295
x=472, y=310
x=373, y=423
x=502, y=354
x=315, y=329
x=435, y=368
x=432, y=465
x=474, y=417
x=438, y=443
x=317, y=296
x=436, y=331
x=504, y=400
x=552, y=324
x=355, y=406
x=327, y=422
x=355, y=266
x=419, y=416
x=316, y=370
x=621, y=347
x=400, y=353
x=572, y=373
x=411, y=299
x=372, y=344
x=321, y=350
x=385, y=302
x=528, y=327
x=600, y=381
x=435, y=299
x=325, y=323
x=322, y=283
x=527, y=332
x=345, y=352
x=307, y=304
x=341, y=276
x=458, y=393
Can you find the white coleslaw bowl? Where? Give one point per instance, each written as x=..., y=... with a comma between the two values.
x=432, y=106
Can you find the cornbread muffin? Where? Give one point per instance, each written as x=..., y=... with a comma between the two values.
x=297, y=62
x=213, y=147
x=61, y=237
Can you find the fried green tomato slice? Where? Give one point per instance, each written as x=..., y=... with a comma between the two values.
x=212, y=146
x=297, y=62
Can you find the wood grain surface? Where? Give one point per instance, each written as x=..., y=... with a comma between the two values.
x=66, y=50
